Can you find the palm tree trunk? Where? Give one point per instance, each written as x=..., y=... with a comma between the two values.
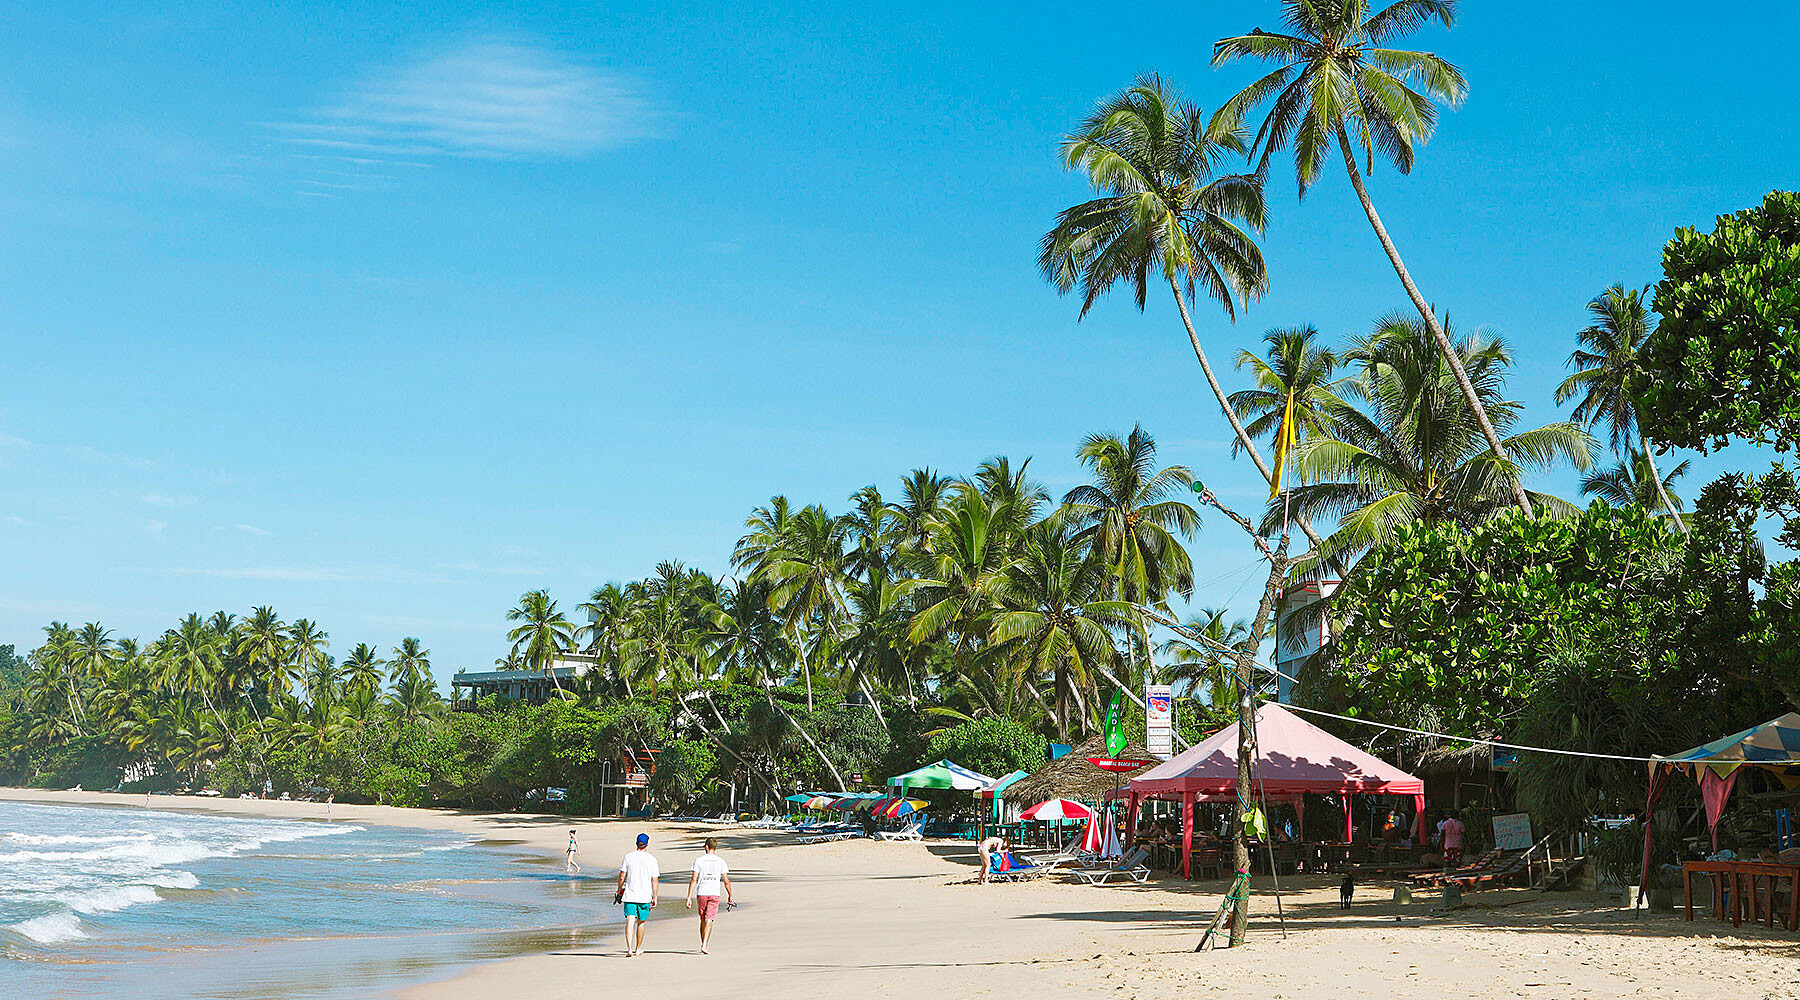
x=1246, y=748
x=1237, y=425
x=805, y=668
x=1661, y=491
x=862, y=681
x=1431, y=322
x=804, y=735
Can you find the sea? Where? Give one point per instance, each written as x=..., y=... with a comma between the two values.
x=152, y=904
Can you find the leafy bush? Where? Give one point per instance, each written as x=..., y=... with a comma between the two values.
x=1725, y=360
x=992, y=745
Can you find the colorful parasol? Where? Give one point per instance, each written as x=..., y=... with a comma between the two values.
x=1050, y=810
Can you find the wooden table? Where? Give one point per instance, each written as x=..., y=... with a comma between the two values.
x=1746, y=878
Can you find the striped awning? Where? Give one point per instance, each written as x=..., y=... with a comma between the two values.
x=1774, y=745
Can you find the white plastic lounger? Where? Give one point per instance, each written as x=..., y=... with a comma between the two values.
x=911, y=831
x=1131, y=868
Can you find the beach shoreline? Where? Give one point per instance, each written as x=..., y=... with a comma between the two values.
x=864, y=918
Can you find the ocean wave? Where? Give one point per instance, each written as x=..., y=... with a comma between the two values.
x=51, y=929
x=109, y=899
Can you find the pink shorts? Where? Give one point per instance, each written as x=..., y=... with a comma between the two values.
x=709, y=907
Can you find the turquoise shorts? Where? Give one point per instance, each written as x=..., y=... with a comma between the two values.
x=638, y=910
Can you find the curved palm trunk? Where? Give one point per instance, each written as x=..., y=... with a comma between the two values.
x=1431, y=322
x=1246, y=748
x=1237, y=426
x=805, y=668
x=862, y=681
x=1661, y=491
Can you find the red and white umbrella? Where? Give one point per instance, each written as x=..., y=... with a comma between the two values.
x=1055, y=809
x=1101, y=836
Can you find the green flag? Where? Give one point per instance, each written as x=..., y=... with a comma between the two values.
x=1115, y=726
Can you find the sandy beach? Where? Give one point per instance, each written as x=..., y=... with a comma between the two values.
x=863, y=918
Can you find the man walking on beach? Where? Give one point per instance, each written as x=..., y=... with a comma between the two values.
x=711, y=873
x=637, y=890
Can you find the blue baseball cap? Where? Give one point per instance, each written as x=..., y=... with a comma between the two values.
x=643, y=839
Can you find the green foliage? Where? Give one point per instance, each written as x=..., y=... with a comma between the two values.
x=686, y=770
x=1725, y=360
x=993, y=746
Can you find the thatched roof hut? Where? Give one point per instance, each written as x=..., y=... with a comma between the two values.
x=1072, y=776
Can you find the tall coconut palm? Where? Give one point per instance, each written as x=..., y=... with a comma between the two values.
x=1634, y=480
x=1414, y=452
x=961, y=577
x=262, y=642
x=1208, y=668
x=191, y=662
x=362, y=669
x=1298, y=372
x=606, y=635
x=309, y=661
x=923, y=494
x=807, y=576
x=1166, y=213
x=543, y=634
x=1056, y=618
x=1603, y=365
x=409, y=660
x=1133, y=516
x=1339, y=82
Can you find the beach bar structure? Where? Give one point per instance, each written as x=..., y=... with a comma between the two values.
x=1772, y=747
x=1293, y=757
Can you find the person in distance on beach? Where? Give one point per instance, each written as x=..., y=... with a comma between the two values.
x=711, y=873
x=637, y=890
x=569, y=862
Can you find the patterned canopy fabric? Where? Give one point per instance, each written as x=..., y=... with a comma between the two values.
x=1774, y=746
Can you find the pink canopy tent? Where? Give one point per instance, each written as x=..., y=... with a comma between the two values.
x=1293, y=757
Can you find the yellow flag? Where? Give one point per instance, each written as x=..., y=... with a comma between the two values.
x=1285, y=437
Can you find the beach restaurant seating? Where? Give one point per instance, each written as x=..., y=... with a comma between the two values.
x=1131, y=867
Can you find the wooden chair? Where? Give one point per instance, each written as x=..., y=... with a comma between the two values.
x=1209, y=859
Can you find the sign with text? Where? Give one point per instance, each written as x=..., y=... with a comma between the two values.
x=1512, y=832
x=1159, y=720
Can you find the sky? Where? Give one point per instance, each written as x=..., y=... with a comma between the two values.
x=384, y=314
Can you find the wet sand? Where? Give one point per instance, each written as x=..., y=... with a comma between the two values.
x=862, y=918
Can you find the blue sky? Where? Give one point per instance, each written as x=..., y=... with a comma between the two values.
x=383, y=315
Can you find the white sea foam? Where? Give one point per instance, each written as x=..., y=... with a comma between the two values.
x=51, y=877
x=51, y=929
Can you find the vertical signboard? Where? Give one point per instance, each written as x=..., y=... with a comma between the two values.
x=1159, y=721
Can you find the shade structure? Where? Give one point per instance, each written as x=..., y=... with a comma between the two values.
x=1073, y=776
x=855, y=801
x=943, y=774
x=894, y=808
x=1773, y=746
x=1293, y=757
x=797, y=798
x=1050, y=810
x=818, y=801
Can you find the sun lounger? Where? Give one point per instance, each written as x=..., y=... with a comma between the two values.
x=1479, y=864
x=1130, y=868
x=911, y=831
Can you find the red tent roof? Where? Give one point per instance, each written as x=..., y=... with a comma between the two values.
x=1293, y=756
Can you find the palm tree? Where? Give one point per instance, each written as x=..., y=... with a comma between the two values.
x=1057, y=620
x=807, y=576
x=411, y=660
x=1635, y=481
x=542, y=634
x=606, y=636
x=1337, y=76
x=1208, y=667
x=961, y=577
x=1298, y=372
x=923, y=494
x=263, y=644
x=190, y=663
x=1604, y=364
x=1415, y=454
x=306, y=649
x=1163, y=208
x=1133, y=516
x=362, y=669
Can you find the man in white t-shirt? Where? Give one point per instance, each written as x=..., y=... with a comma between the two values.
x=637, y=890
x=711, y=874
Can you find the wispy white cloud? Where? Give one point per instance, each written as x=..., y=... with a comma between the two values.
x=156, y=528
x=251, y=529
x=306, y=574
x=487, y=97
